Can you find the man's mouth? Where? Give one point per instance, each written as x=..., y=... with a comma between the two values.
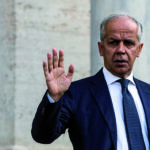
x=120, y=62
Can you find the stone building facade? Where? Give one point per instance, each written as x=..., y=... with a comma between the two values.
x=28, y=30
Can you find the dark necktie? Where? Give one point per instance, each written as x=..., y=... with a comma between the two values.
x=132, y=122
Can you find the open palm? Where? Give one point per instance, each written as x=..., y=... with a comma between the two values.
x=56, y=79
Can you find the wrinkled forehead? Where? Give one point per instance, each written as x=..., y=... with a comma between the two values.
x=121, y=24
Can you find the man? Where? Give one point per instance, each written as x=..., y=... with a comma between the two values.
x=94, y=109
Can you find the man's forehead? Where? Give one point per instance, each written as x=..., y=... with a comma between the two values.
x=121, y=24
x=121, y=35
x=122, y=32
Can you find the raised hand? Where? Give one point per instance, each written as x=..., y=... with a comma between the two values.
x=56, y=79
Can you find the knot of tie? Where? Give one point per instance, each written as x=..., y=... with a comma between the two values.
x=124, y=83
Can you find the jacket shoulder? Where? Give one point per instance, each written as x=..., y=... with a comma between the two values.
x=142, y=83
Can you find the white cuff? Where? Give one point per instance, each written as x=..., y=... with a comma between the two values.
x=50, y=99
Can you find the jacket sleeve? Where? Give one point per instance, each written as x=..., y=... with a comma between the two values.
x=52, y=119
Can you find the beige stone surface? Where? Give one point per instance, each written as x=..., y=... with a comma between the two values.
x=35, y=147
x=7, y=71
x=29, y=29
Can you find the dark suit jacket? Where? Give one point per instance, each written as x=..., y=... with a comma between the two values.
x=86, y=110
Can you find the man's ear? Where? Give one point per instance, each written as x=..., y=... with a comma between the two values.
x=100, y=47
x=140, y=49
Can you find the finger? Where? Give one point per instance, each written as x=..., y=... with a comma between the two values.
x=55, y=58
x=45, y=69
x=50, y=64
x=61, y=59
x=70, y=72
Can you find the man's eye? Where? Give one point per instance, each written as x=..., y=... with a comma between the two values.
x=129, y=43
x=113, y=42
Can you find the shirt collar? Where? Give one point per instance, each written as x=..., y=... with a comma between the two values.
x=110, y=78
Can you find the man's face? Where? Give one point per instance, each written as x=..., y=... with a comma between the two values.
x=120, y=46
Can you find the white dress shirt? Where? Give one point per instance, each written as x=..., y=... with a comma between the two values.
x=116, y=96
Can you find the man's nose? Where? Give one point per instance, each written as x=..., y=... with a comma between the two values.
x=121, y=48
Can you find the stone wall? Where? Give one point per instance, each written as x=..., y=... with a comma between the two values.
x=29, y=29
x=7, y=71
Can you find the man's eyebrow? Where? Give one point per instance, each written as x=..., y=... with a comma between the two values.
x=131, y=40
x=118, y=39
x=114, y=38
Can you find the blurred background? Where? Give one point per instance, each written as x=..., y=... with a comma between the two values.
x=31, y=28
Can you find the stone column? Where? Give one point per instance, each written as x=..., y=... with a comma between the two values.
x=7, y=72
x=41, y=26
x=28, y=30
x=139, y=9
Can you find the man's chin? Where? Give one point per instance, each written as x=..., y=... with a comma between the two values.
x=123, y=73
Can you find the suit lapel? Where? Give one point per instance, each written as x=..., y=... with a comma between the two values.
x=103, y=100
x=144, y=92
